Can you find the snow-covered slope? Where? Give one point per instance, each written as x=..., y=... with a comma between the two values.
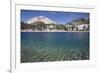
x=44, y=19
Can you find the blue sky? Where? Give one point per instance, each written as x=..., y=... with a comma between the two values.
x=59, y=17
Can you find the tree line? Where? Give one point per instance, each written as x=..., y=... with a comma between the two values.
x=42, y=26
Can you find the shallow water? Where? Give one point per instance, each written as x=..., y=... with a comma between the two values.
x=54, y=46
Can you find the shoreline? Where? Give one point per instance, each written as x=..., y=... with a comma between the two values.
x=54, y=31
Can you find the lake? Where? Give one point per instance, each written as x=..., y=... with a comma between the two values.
x=54, y=46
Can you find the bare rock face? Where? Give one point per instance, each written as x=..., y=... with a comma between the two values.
x=43, y=19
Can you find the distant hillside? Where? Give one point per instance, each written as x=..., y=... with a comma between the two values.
x=79, y=21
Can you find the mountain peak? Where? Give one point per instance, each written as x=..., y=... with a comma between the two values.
x=43, y=19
